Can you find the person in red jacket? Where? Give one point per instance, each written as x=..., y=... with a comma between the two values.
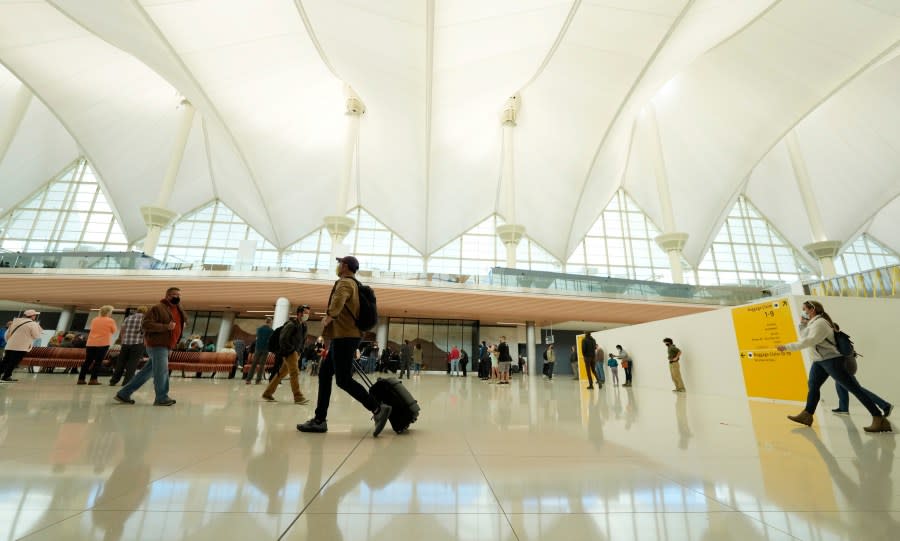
x=163, y=325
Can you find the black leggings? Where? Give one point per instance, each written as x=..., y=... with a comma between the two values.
x=93, y=360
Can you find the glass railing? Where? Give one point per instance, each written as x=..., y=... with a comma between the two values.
x=498, y=278
x=883, y=282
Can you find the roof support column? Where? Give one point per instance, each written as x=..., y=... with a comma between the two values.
x=281, y=315
x=671, y=241
x=821, y=248
x=225, y=328
x=510, y=233
x=339, y=224
x=16, y=115
x=530, y=350
x=159, y=216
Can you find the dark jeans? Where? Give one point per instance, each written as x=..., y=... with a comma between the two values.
x=258, y=365
x=127, y=362
x=589, y=365
x=11, y=360
x=404, y=367
x=339, y=364
x=818, y=375
x=628, y=374
x=93, y=359
x=844, y=397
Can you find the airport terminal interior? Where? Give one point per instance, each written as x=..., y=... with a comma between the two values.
x=508, y=176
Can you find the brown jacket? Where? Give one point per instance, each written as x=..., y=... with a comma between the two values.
x=156, y=326
x=343, y=308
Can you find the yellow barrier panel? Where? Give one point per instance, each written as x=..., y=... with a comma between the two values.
x=769, y=373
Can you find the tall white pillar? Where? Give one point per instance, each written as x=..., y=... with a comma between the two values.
x=381, y=332
x=282, y=312
x=821, y=248
x=510, y=233
x=530, y=349
x=65, y=319
x=16, y=114
x=339, y=224
x=671, y=241
x=159, y=216
x=225, y=329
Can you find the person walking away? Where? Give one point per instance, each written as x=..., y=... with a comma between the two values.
x=625, y=359
x=291, y=339
x=99, y=339
x=674, y=356
x=20, y=337
x=463, y=361
x=339, y=324
x=613, y=369
x=418, y=357
x=132, y=337
x=260, y=352
x=163, y=325
x=588, y=350
x=505, y=360
x=818, y=334
x=405, y=358
x=454, y=360
x=549, y=361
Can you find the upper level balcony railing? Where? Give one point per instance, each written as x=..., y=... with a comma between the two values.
x=498, y=279
x=883, y=282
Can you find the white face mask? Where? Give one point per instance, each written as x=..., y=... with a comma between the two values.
x=305, y=317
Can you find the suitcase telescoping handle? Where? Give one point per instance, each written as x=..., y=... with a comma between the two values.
x=362, y=373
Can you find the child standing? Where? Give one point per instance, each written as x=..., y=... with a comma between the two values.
x=613, y=365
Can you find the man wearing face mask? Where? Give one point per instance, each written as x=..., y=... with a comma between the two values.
x=163, y=325
x=291, y=339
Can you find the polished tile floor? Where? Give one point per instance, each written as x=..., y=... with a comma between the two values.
x=531, y=460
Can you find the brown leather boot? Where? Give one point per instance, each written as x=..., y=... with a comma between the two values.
x=879, y=424
x=804, y=418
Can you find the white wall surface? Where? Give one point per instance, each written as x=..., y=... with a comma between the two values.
x=710, y=362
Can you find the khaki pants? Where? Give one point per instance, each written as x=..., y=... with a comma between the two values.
x=675, y=371
x=289, y=366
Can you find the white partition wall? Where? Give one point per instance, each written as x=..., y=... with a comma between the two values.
x=711, y=363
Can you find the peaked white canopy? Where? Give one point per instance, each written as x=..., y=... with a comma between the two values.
x=724, y=82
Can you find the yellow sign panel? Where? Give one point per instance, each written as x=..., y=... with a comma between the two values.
x=769, y=373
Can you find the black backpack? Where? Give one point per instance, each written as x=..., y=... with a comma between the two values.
x=274, y=343
x=368, y=308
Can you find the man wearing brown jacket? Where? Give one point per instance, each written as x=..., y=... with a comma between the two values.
x=339, y=325
x=163, y=325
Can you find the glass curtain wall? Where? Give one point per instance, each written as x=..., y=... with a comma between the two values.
x=863, y=254
x=437, y=336
x=70, y=213
x=621, y=244
x=749, y=251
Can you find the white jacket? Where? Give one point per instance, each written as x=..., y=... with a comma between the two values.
x=818, y=335
x=21, y=338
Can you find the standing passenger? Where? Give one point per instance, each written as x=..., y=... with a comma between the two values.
x=100, y=338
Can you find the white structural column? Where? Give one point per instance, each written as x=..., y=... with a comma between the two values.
x=65, y=319
x=159, y=216
x=821, y=248
x=381, y=332
x=671, y=241
x=16, y=115
x=511, y=232
x=225, y=329
x=282, y=309
x=339, y=224
x=530, y=349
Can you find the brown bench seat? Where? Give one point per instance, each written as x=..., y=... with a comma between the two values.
x=201, y=361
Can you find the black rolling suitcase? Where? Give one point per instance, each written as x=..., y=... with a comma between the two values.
x=390, y=391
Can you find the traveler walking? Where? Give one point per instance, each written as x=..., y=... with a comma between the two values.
x=163, y=325
x=339, y=324
x=132, y=339
x=290, y=340
x=260, y=352
x=588, y=350
x=20, y=337
x=549, y=361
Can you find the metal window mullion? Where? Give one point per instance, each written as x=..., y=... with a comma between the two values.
x=63, y=217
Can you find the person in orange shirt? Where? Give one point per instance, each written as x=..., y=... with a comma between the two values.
x=102, y=330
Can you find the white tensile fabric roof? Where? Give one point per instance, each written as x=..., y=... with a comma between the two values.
x=726, y=82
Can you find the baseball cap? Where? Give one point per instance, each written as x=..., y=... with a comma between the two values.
x=29, y=313
x=352, y=262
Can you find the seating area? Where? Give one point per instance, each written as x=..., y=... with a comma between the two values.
x=270, y=363
x=51, y=358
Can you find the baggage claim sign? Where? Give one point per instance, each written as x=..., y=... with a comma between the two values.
x=769, y=373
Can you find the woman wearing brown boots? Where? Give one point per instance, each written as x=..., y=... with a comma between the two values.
x=818, y=333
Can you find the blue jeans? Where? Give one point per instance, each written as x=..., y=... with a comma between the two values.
x=454, y=366
x=844, y=397
x=598, y=370
x=818, y=375
x=158, y=367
